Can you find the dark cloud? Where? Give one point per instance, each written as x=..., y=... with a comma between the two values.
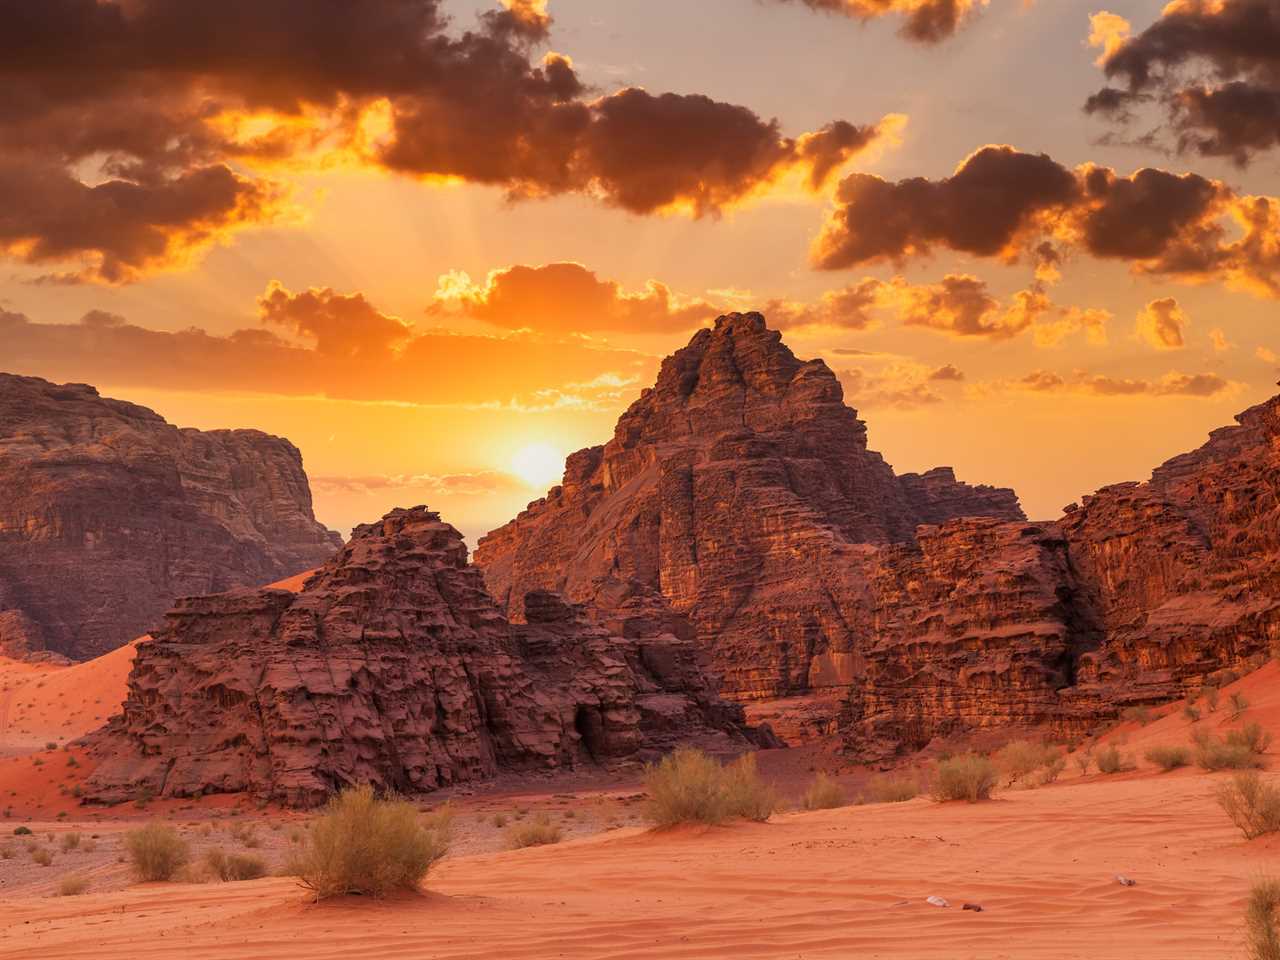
x=851, y=308
x=1212, y=65
x=948, y=372
x=385, y=362
x=567, y=298
x=924, y=21
x=1006, y=204
x=133, y=112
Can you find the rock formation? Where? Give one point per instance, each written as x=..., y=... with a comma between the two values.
x=726, y=488
x=107, y=513
x=833, y=595
x=393, y=666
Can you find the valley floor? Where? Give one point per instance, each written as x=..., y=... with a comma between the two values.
x=843, y=883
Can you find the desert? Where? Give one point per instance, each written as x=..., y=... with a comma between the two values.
x=615, y=480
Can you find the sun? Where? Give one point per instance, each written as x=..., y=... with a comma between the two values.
x=538, y=464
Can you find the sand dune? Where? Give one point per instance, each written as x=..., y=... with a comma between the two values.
x=840, y=883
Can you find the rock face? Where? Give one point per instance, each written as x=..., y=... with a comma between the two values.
x=741, y=489
x=393, y=666
x=107, y=513
x=837, y=596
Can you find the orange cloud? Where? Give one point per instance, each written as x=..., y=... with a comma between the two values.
x=924, y=21
x=1083, y=383
x=1162, y=324
x=1004, y=204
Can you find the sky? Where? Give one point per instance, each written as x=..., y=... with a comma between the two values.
x=440, y=244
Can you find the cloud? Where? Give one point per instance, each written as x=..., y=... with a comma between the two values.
x=1267, y=355
x=1218, y=337
x=924, y=21
x=850, y=308
x=948, y=372
x=454, y=484
x=387, y=363
x=1211, y=66
x=900, y=384
x=135, y=134
x=566, y=298
x=1162, y=324
x=1084, y=383
x=1004, y=204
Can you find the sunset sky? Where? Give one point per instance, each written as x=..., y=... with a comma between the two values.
x=439, y=244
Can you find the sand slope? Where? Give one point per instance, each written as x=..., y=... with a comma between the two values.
x=836, y=884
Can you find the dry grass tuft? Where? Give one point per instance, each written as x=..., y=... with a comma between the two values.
x=537, y=832
x=1262, y=920
x=73, y=886
x=1110, y=760
x=886, y=789
x=365, y=844
x=234, y=866
x=969, y=777
x=1236, y=752
x=824, y=794
x=1169, y=757
x=1252, y=804
x=687, y=786
x=156, y=851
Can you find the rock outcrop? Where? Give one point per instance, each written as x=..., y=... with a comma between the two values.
x=727, y=488
x=393, y=666
x=895, y=610
x=107, y=513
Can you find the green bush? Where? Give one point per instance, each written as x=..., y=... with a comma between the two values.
x=687, y=786
x=969, y=777
x=1262, y=914
x=885, y=789
x=156, y=851
x=1252, y=805
x=823, y=794
x=1111, y=760
x=1169, y=758
x=365, y=844
x=535, y=833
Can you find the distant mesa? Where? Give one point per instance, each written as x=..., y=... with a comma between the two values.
x=393, y=666
x=108, y=513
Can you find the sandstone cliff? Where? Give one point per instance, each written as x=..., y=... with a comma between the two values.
x=834, y=596
x=725, y=488
x=107, y=513
x=394, y=667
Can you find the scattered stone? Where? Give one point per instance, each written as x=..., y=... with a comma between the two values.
x=937, y=901
x=975, y=907
x=1125, y=881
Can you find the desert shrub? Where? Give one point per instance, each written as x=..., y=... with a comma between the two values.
x=1050, y=772
x=1018, y=759
x=499, y=820
x=440, y=819
x=7, y=852
x=1238, y=704
x=365, y=844
x=899, y=789
x=1191, y=713
x=1252, y=804
x=73, y=886
x=1139, y=715
x=969, y=777
x=70, y=841
x=1111, y=760
x=41, y=856
x=535, y=833
x=1084, y=761
x=1262, y=920
x=1169, y=757
x=824, y=794
x=1215, y=754
x=687, y=786
x=22, y=831
x=156, y=851
x=246, y=833
x=1211, y=698
x=1251, y=736
x=234, y=866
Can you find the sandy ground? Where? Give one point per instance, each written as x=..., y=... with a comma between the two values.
x=843, y=883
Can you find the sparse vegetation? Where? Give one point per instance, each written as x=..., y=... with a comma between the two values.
x=1169, y=757
x=1234, y=753
x=156, y=851
x=1251, y=736
x=70, y=841
x=42, y=856
x=1191, y=713
x=22, y=831
x=969, y=776
x=1018, y=760
x=499, y=820
x=823, y=794
x=1140, y=715
x=687, y=786
x=534, y=833
x=73, y=885
x=1211, y=698
x=887, y=789
x=1262, y=920
x=234, y=866
x=1111, y=760
x=364, y=844
x=1252, y=804
x=1084, y=761
x=1238, y=705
